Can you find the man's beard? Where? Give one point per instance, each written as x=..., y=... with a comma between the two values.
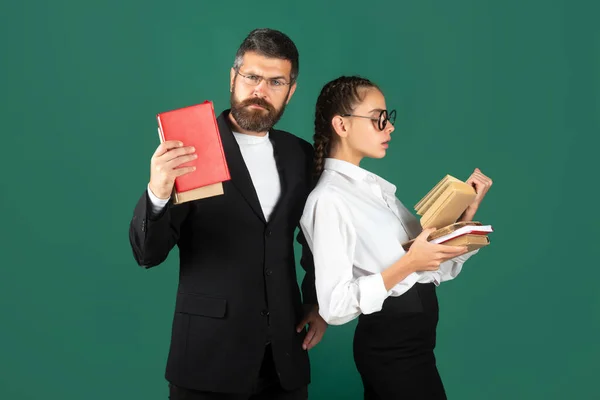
x=254, y=120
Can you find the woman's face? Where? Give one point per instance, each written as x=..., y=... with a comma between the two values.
x=364, y=138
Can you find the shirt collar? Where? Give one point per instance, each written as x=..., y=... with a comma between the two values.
x=243, y=138
x=357, y=173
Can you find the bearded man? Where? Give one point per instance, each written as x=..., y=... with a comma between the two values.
x=239, y=325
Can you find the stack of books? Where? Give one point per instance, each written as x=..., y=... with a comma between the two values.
x=196, y=126
x=441, y=208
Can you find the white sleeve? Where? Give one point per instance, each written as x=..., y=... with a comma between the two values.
x=451, y=268
x=157, y=204
x=329, y=232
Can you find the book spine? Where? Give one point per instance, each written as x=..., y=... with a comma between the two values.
x=161, y=135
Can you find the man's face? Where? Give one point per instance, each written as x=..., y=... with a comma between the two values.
x=257, y=104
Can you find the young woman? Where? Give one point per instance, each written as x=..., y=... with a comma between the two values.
x=355, y=226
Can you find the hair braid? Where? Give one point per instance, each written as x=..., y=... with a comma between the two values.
x=337, y=97
x=322, y=144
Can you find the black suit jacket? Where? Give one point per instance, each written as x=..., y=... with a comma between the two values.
x=237, y=280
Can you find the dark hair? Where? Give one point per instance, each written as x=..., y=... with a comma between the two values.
x=269, y=43
x=337, y=97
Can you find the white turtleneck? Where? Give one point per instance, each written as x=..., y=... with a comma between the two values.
x=259, y=158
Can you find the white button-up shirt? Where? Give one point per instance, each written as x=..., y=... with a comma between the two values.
x=355, y=227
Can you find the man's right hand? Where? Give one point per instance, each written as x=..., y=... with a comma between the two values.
x=165, y=166
x=425, y=256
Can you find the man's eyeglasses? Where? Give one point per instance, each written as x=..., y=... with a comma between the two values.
x=255, y=80
x=382, y=120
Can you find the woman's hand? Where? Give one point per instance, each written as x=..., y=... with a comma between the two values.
x=482, y=184
x=425, y=256
x=422, y=256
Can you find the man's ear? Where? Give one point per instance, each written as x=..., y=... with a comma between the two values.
x=232, y=75
x=291, y=93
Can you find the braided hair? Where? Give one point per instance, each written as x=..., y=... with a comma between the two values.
x=337, y=97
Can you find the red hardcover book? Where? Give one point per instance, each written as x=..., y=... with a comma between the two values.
x=196, y=126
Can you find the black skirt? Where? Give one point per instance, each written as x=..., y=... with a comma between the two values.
x=393, y=348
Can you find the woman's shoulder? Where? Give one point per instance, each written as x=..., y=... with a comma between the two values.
x=328, y=190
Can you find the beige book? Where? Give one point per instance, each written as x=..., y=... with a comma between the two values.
x=472, y=241
x=451, y=229
x=445, y=203
x=441, y=208
x=215, y=189
x=434, y=193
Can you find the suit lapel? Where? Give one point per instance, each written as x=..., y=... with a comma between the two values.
x=281, y=155
x=240, y=177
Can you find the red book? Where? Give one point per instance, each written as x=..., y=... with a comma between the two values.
x=196, y=126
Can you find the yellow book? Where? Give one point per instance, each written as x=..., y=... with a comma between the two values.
x=434, y=193
x=445, y=203
x=468, y=233
x=473, y=242
x=441, y=208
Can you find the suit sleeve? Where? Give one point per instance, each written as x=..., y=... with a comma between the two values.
x=309, y=292
x=152, y=235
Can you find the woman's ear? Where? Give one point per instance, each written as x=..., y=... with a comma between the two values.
x=339, y=126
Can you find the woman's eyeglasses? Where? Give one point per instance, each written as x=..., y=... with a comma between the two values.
x=382, y=120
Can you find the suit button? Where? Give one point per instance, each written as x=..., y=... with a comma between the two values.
x=264, y=313
x=268, y=233
x=269, y=272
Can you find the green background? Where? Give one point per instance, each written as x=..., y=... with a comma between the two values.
x=510, y=87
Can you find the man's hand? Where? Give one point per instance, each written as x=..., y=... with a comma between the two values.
x=316, y=326
x=165, y=166
x=482, y=184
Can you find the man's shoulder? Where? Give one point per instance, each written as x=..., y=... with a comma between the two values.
x=293, y=141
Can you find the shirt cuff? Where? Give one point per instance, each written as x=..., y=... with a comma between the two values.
x=372, y=293
x=157, y=204
x=408, y=282
x=451, y=268
x=462, y=259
